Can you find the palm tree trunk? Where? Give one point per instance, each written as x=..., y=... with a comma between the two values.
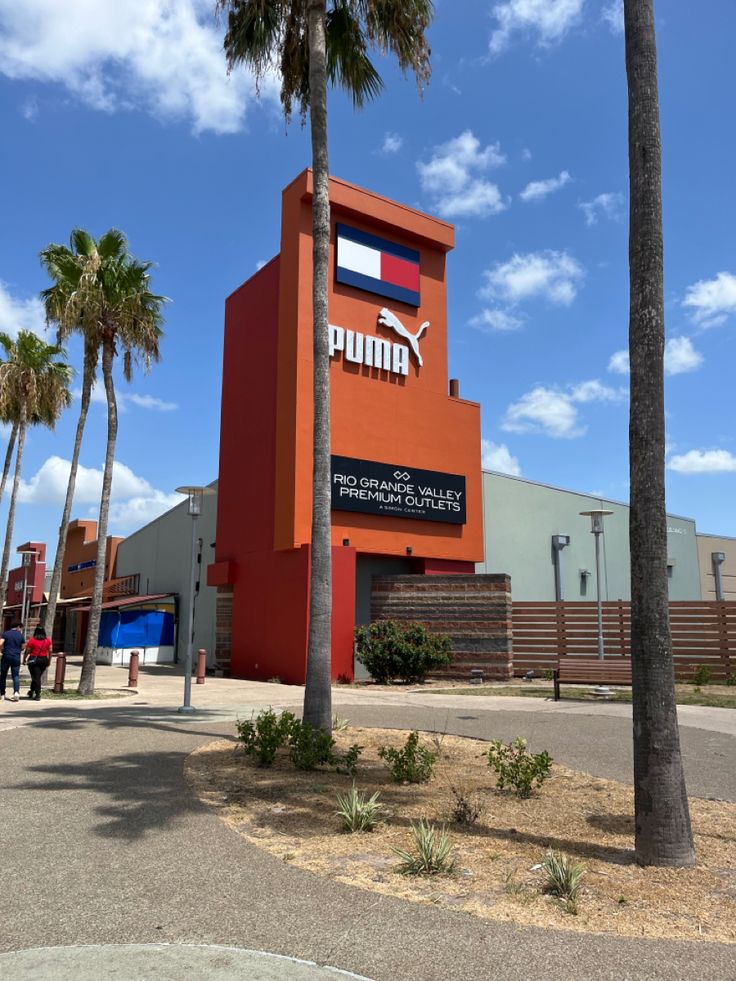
x=87, y=677
x=318, y=691
x=68, y=502
x=663, y=834
x=8, y=458
x=21, y=432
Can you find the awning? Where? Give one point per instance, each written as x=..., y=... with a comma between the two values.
x=129, y=601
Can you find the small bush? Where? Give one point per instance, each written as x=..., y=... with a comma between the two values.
x=263, y=735
x=310, y=747
x=357, y=813
x=431, y=854
x=467, y=805
x=407, y=651
x=348, y=763
x=731, y=679
x=411, y=764
x=702, y=675
x=563, y=879
x=548, y=674
x=516, y=769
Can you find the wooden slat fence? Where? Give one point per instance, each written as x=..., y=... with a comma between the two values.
x=703, y=632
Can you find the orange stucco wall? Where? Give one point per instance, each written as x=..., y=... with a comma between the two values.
x=410, y=421
x=81, y=547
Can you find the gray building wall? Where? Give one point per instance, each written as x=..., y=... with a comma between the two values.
x=520, y=518
x=160, y=553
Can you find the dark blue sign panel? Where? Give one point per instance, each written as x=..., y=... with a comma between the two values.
x=396, y=491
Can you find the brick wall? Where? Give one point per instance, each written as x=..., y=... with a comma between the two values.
x=223, y=627
x=473, y=610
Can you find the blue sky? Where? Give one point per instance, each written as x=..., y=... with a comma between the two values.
x=123, y=115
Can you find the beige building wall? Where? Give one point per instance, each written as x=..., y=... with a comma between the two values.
x=707, y=544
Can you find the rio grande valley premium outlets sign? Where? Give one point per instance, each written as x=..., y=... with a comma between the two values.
x=396, y=491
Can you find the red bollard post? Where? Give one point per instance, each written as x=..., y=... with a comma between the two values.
x=133, y=669
x=60, y=672
x=201, y=665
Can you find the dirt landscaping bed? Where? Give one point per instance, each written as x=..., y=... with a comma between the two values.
x=290, y=813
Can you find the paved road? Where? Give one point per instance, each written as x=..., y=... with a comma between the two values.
x=104, y=844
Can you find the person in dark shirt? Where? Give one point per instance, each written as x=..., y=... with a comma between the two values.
x=12, y=643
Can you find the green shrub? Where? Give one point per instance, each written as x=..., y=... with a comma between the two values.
x=431, y=854
x=407, y=651
x=263, y=735
x=516, y=769
x=548, y=674
x=348, y=762
x=731, y=679
x=358, y=813
x=702, y=675
x=411, y=764
x=310, y=747
x=563, y=879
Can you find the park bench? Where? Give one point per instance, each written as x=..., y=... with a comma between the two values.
x=586, y=670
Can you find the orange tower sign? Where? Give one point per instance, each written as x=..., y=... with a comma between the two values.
x=406, y=483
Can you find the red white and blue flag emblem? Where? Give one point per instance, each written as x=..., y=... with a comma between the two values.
x=377, y=265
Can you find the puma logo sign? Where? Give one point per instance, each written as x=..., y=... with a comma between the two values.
x=388, y=319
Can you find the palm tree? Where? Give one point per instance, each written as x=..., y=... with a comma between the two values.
x=34, y=388
x=74, y=270
x=313, y=42
x=114, y=308
x=663, y=834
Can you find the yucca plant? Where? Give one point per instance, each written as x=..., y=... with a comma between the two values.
x=432, y=852
x=562, y=879
x=358, y=812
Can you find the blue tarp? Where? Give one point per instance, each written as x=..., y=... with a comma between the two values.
x=136, y=628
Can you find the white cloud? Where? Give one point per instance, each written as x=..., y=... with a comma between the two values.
x=553, y=411
x=679, y=357
x=496, y=320
x=496, y=456
x=134, y=500
x=607, y=205
x=18, y=314
x=538, y=190
x=703, y=461
x=553, y=276
x=165, y=57
x=451, y=178
x=613, y=15
x=127, y=516
x=548, y=20
x=392, y=143
x=126, y=399
x=712, y=300
x=619, y=363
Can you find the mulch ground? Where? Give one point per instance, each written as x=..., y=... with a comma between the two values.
x=290, y=813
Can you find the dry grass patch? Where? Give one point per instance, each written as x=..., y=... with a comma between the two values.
x=290, y=813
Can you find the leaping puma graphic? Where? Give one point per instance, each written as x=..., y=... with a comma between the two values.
x=389, y=319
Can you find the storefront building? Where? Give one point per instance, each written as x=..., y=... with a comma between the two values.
x=406, y=481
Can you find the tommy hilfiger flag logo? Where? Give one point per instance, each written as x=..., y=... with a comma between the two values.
x=377, y=265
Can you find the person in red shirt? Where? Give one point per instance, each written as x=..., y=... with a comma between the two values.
x=37, y=654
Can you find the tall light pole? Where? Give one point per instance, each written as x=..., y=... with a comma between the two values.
x=596, y=527
x=196, y=495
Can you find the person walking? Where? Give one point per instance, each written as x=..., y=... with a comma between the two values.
x=12, y=643
x=38, y=657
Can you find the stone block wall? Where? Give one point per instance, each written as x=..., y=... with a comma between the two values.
x=223, y=627
x=473, y=610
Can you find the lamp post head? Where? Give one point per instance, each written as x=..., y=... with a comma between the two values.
x=596, y=516
x=195, y=494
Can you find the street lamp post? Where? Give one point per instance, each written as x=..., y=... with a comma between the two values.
x=196, y=495
x=596, y=527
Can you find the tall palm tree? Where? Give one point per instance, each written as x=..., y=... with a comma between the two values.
x=34, y=388
x=663, y=834
x=115, y=310
x=74, y=270
x=13, y=423
x=313, y=42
